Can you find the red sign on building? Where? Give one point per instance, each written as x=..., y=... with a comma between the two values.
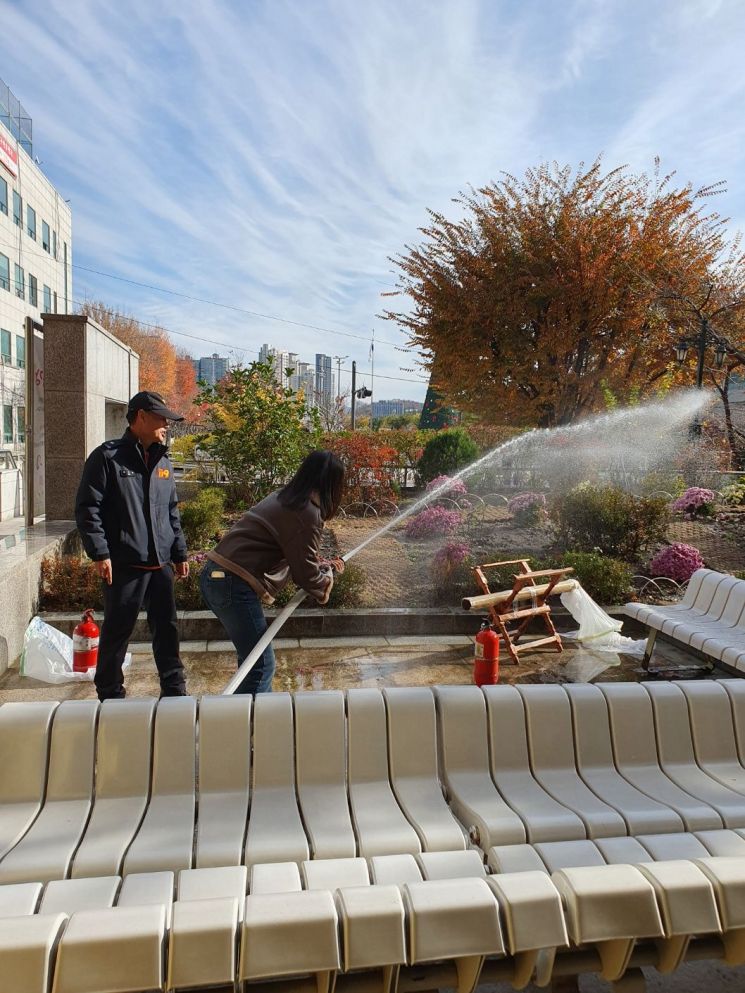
x=8, y=155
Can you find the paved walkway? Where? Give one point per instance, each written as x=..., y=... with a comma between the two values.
x=345, y=663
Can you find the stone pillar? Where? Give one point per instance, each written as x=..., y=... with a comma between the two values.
x=89, y=375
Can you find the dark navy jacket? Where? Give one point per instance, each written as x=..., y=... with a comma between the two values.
x=127, y=511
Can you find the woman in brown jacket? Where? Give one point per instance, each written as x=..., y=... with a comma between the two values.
x=276, y=540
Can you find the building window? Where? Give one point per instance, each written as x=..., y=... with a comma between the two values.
x=3, y=197
x=20, y=282
x=64, y=245
x=45, y=240
x=20, y=351
x=55, y=302
x=54, y=244
x=7, y=425
x=17, y=209
x=31, y=222
x=5, y=355
x=5, y=272
x=21, y=424
x=33, y=291
x=47, y=300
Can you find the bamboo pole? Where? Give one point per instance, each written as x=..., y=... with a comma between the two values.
x=526, y=593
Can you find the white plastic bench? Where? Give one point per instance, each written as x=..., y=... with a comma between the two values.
x=465, y=837
x=710, y=618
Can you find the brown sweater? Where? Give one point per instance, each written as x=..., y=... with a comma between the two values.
x=272, y=543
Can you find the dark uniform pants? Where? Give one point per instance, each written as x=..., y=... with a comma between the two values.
x=123, y=600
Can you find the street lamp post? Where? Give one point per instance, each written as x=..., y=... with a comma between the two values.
x=702, y=341
x=360, y=394
x=339, y=359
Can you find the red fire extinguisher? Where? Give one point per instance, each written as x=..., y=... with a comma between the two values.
x=85, y=643
x=486, y=656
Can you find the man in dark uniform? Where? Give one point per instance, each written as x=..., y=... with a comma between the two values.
x=127, y=514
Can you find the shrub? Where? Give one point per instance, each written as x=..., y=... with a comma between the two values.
x=607, y=580
x=433, y=521
x=662, y=482
x=68, y=582
x=676, y=561
x=370, y=466
x=528, y=508
x=448, y=451
x=201, y=518
x=346, y=592
x=183, y=448
x=611, y=520
x=188, y=593
x=695, y=502
x=348, y=587
x=451, y=572
x=490, y=436
x=733, y=495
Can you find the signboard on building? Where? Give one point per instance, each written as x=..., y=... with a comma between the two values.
x=8, y=155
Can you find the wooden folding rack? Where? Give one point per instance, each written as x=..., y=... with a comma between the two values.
x=503, y=605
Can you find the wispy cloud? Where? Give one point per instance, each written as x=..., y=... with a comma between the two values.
x=273, y=155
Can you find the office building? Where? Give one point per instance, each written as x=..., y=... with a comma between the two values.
x=388, y=408
x=35, y=260
x=211, y=368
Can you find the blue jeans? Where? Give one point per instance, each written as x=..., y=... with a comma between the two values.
x=239, y=609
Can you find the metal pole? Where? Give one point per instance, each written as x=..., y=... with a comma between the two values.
x=703, y=336
x=354, y=390
x=702, y=342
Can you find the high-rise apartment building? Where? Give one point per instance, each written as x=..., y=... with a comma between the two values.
x=324, y=378
x=211, y=368
x=35, y=260
x=280, y=360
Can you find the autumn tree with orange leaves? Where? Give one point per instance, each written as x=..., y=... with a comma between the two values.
x=553, y=288
x=163, y=368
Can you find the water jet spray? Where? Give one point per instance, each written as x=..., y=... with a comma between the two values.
x=630, y=427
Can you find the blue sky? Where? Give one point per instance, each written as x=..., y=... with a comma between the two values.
x=271, y=155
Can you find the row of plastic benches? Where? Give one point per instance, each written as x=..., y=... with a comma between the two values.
x=332, y=775
x=344, y=931
x=710, y=618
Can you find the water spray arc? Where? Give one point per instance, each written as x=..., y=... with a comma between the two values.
x=676, y=410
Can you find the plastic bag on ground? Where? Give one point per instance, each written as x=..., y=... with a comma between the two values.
x=597, y=630
x=47, y=655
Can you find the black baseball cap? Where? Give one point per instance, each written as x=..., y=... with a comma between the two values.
x=153, y=403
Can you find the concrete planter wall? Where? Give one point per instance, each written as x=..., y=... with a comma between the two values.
x=202, y=625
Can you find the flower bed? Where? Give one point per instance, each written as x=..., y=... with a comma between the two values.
x=676, y=561
x=695, y=502
x=433, y=521
x=528, y=508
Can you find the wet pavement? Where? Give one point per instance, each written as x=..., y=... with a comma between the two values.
x=408, y=661
x=343, y=663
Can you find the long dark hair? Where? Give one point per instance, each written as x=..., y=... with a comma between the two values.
x=322, y=473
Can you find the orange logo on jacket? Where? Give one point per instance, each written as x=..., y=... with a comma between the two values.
x=164, y=473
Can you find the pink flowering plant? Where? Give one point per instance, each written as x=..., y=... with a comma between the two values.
x=433, y=521
x=528, y=508
x=695, y=502
x=676, y=561
x=452, y=489
x=450, y=558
